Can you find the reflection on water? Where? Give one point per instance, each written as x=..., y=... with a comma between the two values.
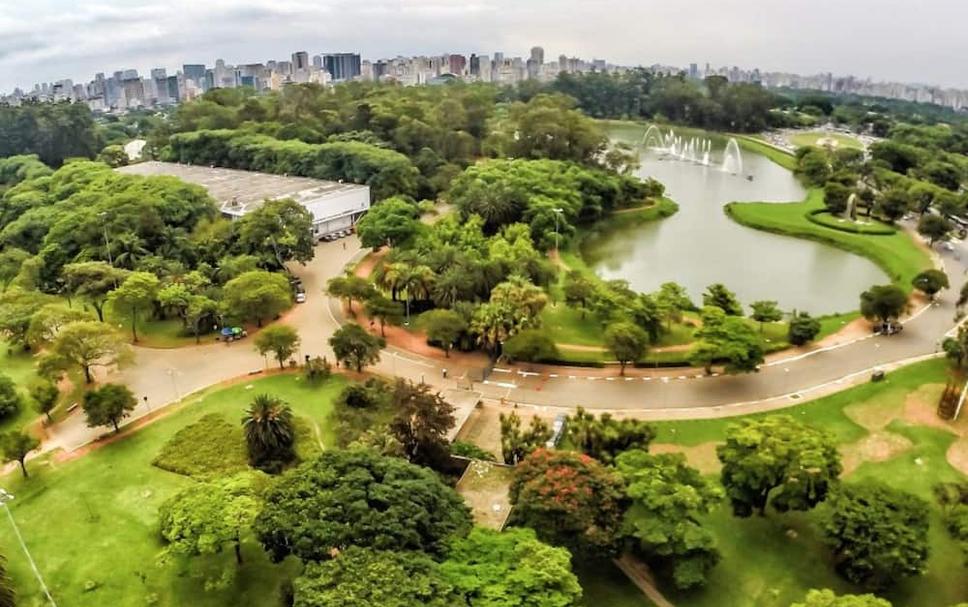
x=700, y=245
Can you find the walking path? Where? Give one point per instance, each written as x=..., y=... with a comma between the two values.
x=165, y=376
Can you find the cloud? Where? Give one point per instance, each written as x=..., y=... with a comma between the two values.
x=44, y=40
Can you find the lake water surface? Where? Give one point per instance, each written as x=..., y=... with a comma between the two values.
x=700, y=245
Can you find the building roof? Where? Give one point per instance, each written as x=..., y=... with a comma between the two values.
x=240, y=192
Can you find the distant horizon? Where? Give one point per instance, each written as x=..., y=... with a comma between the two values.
x=50, y=40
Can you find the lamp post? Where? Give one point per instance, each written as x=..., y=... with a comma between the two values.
x=107, y=241
x=558, y=211
x=4, y=499
x=174, y=383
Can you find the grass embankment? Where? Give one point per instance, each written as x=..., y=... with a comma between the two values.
x=814, y=138
x=897, y=254
x=92, y=522
x=773, y=561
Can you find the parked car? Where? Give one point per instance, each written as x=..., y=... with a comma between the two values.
x=233, y=333
x=300, y=298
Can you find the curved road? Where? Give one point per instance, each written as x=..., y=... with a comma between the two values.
x=165, y=376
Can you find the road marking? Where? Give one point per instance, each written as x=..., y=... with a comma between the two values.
x=552, y=375
x=500, y=370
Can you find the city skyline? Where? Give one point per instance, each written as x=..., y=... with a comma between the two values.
x=44, y=41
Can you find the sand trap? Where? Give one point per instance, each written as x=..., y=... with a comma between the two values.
x=701, y=457
x=878, y=446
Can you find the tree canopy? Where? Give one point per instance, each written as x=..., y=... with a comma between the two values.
x=358, y=498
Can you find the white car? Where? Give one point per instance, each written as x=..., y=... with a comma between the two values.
x=300, y=298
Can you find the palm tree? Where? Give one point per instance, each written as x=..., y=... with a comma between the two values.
x=131, y=247
x=389, y=277
x=269, y=433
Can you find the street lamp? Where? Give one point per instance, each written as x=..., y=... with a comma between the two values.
x=107, y=241
x=4, y=499
x=174, y=384
x=558, y=211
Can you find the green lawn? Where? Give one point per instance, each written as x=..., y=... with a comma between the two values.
x=93, y=521
x=813, y=138
x=18, y=366
x=773, y=561
x=898, y=255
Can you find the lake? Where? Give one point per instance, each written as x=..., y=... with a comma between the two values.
x=700, y=245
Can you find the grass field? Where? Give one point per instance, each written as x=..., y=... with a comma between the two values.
x=92, y=522
x=772, y=561
x=815, y=137
x=898, y=255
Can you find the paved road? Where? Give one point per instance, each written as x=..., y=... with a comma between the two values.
x=167, y=375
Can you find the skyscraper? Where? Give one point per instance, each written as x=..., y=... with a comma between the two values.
x=342, y=66
x=537, y=55
x=300, y=61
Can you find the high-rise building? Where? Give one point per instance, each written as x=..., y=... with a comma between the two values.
x=537, y=55
x=300, y=61
x=342, y=66
x=475, y=65
x=456, y=64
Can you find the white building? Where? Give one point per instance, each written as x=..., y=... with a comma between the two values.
x=334, y=206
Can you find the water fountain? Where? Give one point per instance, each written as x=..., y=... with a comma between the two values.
x=732, y=158
x=851, y=211
x=697, y=150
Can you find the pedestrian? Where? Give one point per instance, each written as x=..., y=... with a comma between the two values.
x=344, y=246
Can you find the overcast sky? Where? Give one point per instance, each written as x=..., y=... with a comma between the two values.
x=909, y=41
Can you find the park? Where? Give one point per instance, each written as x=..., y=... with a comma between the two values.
x=734, y=352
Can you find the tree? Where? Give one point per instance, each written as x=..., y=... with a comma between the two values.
x=384, y=310
x=92, y=281
x=135, y=295
x=570, y=500
x=578, y=290
x=878, y=534
x=8, y=596
x=719, y=296
x=11, y=260
x=200, y=309
x=893, y=204
x=827, y=598
x=48, y=321
x=668, y=499
x=108, y=404
x=85, y=344
x=277, y=232
x=359, y=498
x=270, y=433
x=605, y=437
x=517, y=444
x=363, y=577
x=627, y=342
x=443, y=327
x=113, y=155
x=930, y=282
x=421, y=423
x=883, y=303
x=530, y=345
x=765, y=311
x=350, y=287
x=205, y=517
x=256, y=295
x=356, y=348
x=391, y=222
x=45, y=395
x=956, y=348
x=934, y=227
x=10, y=399
x=512, y=567
x=281, y=340
x=16, y=446
x=672, y=300
x=835, y=197
x=803, y=328
x=729, y=339
x=777, y=461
